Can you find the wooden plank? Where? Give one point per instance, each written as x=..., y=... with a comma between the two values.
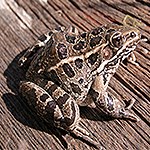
x=21, y=22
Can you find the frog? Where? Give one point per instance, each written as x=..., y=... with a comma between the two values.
x=67, y=69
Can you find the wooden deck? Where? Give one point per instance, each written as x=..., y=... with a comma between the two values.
x=21, y=22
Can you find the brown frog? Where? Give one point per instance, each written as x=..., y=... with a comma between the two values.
x=68, y=69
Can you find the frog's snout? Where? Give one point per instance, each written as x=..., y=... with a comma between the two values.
x=145, y=39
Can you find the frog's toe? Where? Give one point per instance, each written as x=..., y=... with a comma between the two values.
x=131, y=103
x=84, y=135
x=126, y=114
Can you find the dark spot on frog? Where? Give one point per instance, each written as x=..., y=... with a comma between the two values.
x=52, y=75
x=79, y=45
x=75, y=88
x=105, y=78
x=132, y=34
x=95, y=41
x=70, y=39
x=42, y=38
x=92, y=58
x=62, y=51
x=62, y=100
x=44, y=97
x=51, y=105
x=83, y=35
x=73, y=29
x=79, y=63
x=51, y=89
x=86, y=86
x=109, y=33
x=50, y=33
x=68, y=70
x=94, y=94
x=50, y=109
x=97, y=31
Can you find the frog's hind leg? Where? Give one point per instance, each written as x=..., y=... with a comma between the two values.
x=52, y=102
x=31, y=51
x=71, y=114
x=115, y=108
x=120, y=110
x=40, y=101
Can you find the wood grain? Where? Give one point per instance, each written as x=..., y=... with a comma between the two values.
x=21, y=22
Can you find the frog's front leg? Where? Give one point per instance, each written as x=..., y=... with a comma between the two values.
x=132, y=59
x=108, y=103
x=52, y=102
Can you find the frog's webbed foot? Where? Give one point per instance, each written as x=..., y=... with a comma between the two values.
x=125, y=111
x=84, y=135
x=132, y=59
x=113, y=107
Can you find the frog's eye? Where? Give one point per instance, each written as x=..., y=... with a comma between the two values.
x=133, y=34
x=116, y=40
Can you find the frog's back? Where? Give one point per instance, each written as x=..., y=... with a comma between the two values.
x=64, y=45
x=53, y=48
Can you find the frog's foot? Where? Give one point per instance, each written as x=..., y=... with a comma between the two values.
x=84, y=135
x=125, y=111
x=132, y=59
x=113, y=107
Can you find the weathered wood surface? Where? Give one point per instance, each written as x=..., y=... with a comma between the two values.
x=21, y=22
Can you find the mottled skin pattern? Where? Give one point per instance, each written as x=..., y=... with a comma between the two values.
x=67, y=69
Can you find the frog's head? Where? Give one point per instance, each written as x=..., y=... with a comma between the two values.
x=124, y=36
x=120, y=43
x=121, y=39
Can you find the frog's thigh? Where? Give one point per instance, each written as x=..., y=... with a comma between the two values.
x=66, y=103
x=40, y=101
x=52, y=100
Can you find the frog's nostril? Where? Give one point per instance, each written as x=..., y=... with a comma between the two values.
x=132, y=34
x=145, y=39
